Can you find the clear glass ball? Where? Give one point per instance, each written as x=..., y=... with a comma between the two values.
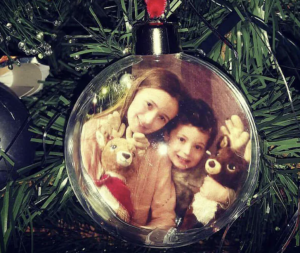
x=148, y=173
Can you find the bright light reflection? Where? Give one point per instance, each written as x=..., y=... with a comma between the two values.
x=156, y=42
x=95, y=100
x=162, y=149
x=104, y=90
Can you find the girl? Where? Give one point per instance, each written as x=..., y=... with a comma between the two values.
x=152, y=101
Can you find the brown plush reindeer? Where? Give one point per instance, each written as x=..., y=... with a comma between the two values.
x=228, y=169
x=116, y=160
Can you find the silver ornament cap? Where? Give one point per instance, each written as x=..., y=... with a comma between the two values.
x=156, y=38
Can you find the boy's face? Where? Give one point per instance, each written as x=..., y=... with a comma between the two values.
x=186, y=146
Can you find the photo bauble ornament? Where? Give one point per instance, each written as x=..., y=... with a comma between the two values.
x=143, y=145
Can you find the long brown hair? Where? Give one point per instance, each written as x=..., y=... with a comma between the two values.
x=155, y=78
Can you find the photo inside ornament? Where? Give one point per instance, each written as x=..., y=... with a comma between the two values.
x=159, y=147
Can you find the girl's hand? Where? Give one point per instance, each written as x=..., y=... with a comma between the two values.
x=139, y=140
x=212, y=190
x=234, y=129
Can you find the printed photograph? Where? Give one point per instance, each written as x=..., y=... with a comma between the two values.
x=167, y=144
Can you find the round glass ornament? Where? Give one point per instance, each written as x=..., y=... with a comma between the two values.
x=140, y=194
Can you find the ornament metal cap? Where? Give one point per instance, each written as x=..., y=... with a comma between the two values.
x=156, y=39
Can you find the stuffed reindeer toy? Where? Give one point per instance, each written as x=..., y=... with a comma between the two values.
x=116, y=160
x=228, y=169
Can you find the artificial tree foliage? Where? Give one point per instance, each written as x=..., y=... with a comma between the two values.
x=39, y=212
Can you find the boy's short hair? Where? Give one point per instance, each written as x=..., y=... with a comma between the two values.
x=197, y=113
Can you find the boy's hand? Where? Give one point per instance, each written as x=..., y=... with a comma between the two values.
x=212, y=190
x=139, y=140
x=234, y=129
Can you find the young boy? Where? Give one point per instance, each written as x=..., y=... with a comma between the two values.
x=188, y=137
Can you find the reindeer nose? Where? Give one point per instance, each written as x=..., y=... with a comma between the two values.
x=126, y=156
x=212, y=164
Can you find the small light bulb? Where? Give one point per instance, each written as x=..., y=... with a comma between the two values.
x=126, y=80
x=104, y=90
x=95, y=100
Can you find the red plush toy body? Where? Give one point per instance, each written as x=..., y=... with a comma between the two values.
x=116, y=194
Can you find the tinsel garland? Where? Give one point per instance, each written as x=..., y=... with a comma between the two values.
x=39, y=212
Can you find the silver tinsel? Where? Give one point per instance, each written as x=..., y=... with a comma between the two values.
x=9, y=26
x=57, y=23
x=40, y=36
x=48, y=52
x=14, y=32
x=29, y=10
x=47, y=46
x=77, y=68
x=76, y=57
x=33, y=51
x=21, y=45
x=18, y=62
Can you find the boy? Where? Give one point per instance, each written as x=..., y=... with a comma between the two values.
x=189, y=136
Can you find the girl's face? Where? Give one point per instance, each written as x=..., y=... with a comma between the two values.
x=150, y=110
x=186, y=146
